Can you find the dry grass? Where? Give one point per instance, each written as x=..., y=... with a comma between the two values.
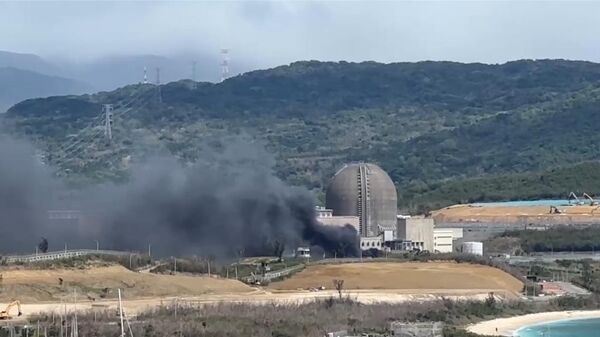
x=409, y=275
x=43, y=285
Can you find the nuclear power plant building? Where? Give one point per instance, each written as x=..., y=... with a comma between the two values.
x=364, y=196
x=367, y=192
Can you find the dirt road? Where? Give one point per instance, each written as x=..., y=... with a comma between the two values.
x=133, y=307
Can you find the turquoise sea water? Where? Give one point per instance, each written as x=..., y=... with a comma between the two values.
x=565, y=328
x=544, y=202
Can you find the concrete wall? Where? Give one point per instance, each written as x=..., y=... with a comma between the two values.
x=416, y=230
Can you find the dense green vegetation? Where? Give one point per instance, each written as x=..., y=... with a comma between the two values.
x=552, y=183
x=446, y=132
x=558, y=239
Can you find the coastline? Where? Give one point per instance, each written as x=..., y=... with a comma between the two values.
x=509, y=326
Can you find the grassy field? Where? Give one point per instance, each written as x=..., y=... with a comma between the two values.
x=418, y=276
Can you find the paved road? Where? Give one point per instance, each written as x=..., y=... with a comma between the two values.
x=551, y=257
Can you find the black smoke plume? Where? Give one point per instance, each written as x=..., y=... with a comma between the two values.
x=227, y=203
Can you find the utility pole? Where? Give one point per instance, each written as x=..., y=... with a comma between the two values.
x=97, y=245
x=158, y=92
x=108, y=121
x=121, y=314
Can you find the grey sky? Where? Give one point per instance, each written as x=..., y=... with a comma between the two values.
x=271, y=33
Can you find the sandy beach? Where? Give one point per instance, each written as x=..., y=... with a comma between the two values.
x=508, y=326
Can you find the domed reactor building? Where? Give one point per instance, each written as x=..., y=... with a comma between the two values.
x=367, y=192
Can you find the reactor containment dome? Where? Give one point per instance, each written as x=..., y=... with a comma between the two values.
x=366, y=191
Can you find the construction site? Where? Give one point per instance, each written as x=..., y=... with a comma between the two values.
x=571, y=211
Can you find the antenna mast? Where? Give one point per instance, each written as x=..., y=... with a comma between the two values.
x=145, y=75
x=224, y=64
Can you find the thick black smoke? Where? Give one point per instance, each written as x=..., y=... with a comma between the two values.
x=228, y=203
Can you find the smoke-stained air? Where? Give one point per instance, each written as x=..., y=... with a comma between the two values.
x=227, y=203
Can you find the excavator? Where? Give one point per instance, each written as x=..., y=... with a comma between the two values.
x=592, y=201
x=573, y=196
x=5, y=314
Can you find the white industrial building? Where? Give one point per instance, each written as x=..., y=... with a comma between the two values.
x=443, y=239
x=472, y=247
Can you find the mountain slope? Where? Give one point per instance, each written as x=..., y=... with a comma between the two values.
x=29, y=62
x=17, y=85
x=429, y=124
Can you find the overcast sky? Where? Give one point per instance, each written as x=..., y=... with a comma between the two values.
x=272, y=33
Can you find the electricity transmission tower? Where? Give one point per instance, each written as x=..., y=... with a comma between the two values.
x=108, y=121
x=158, y=92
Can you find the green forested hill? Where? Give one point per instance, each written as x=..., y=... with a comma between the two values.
x=445, y=132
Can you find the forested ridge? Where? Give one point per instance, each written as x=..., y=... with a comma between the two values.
x=446, y=132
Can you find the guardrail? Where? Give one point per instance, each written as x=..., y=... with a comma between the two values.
x=64, y=254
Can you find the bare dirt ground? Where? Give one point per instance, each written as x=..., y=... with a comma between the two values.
x=43, y=285
x=412, y=277
x=584, y=214
x=39, y=290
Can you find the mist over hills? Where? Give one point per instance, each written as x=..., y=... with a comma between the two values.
x=446, y=132
x=17, y=85
x=40, y=77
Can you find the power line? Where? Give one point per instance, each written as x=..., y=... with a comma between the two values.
x=107, y=120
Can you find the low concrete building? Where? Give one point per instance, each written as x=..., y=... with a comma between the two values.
x=323, y=212
x=326, y=217
x=418, y=230
x=371, y=242
x=443, y=240
x=417, y=329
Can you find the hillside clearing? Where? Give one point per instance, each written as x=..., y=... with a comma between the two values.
x=419, y=276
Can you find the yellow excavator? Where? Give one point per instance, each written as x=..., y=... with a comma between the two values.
x=5, y=314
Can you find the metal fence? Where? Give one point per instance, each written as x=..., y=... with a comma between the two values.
x=267, y=277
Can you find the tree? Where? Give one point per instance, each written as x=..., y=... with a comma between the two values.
x=339, y=286
x=43, y=245
x=586, y=274
x=490, y=301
